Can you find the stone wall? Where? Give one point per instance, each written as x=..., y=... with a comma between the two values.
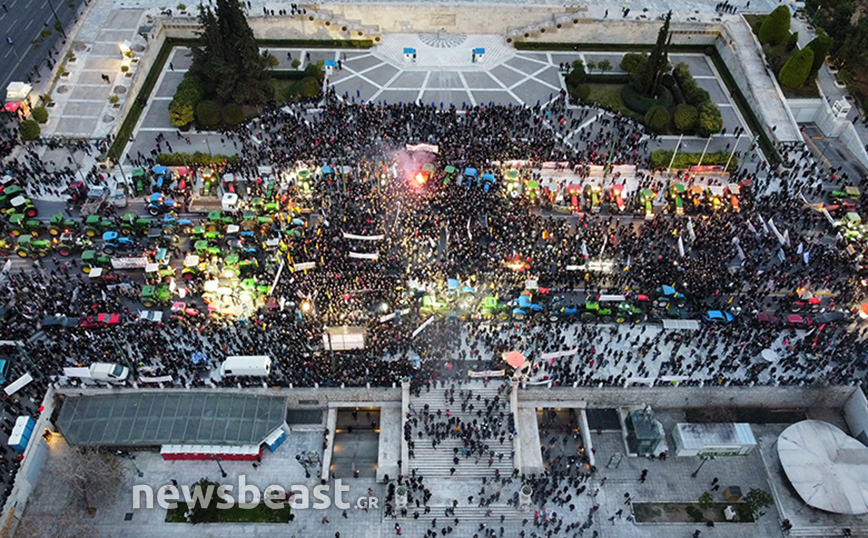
x=687, y=397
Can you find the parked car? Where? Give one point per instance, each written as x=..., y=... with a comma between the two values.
x=717, y=316
x=100, y=320
x=764, y=319
x=798, y=322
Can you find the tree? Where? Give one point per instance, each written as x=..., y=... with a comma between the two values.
x=756, y=500
x=582, y=92
x=40, y=114
x=309, y=87
x=792, y=42
x=29, y=130
x=233, y=115
x=821, y=45
x=684, y=118
x=208, y=114
x=657, y=119
x=629, y=61
x=776, y=26
x=296, y=63
x=181, y=113
x=604, y=65
x=315, y=70
x=95, y=476
x=591, y=65
x=795, y=72
x=706, y=501
x=710, y=120
x=271, y=61
x=227, y=58
x=646, y=76
x=577, y=75
x=183, y=106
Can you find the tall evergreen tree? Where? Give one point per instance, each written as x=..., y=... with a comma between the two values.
x=227, y=58
x=647, y=77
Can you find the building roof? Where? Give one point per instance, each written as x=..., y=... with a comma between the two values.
x=700, y=435
x=159, y=418
x=827, y=467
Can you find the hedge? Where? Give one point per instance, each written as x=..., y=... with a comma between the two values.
x=685, y=117
x=641, y=104
x=660, y=159
x=233, y=115
x=195, y=159
x=821, y=46
x=208, y=114
x=657, y=119
x=630, y=60
x=795, y=72
x=40, y=114
x=776, y=27
x=29, y=130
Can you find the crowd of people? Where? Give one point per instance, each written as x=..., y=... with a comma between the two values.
x=435, y=231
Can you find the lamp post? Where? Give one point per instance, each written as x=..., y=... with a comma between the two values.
x=215, y=458
x=695, y=473
x=56, y=18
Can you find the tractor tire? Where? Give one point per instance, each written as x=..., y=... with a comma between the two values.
x=85, y=269
x=606, y=319
x=90, y=232
x=795, y=308
x=32, y=212
x=681, y=303
x=189, y=276
x=587, y=318
x=148, y=303
x=211, y=228
x=15, y=233
x=42, y=253
x=22, y=253
x=504, y=317
x=153, y=212
x=34, y=233
x=64, y=251
x=553, y=318
x=518, y=317
x=108, y=250
x=620, y=319
x=539, y=316
x=54, y=231
x=126, y=232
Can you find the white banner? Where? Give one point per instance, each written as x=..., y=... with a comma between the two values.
x=423, y=147
x=420, y=328
x=129, y=263
x=158, y=379
x=304, y=266
x=487, y=373
x=364, y=237
x=680, y=246
x=556, y=354
x=365, y=256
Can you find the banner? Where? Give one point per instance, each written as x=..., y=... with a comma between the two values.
x=556, y=354
x=487, y=373
x=422, y=147
x=420, y=328
x=365, y=256
x=304, y=266
x=364, y=237
x=159, y=379
x=129, y=263
x=707, y=168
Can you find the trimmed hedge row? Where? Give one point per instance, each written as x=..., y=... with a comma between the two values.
x=195, y=159
x=660, y=159
x=641, y=104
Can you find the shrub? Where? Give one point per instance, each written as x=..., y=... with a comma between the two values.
x=661, y=158
x=641, y=104
x=187, y=96
x=582, y=92
x=695, y=514
x=309, y=87
x=315, y=70
x=792, y=42
x=296, y=63
x=629, y=61
x=125, y=68
x=776, y=26
x=233, y=115
x=657, y=119
x=709, y=121
x=29, y=130
x=795, y=72
x=821, y=46
x=114, y=99
x=198, y=158
x=208, y=114
x=684, y=118
x=577, y=74
x=40, y=114
x=181, y=113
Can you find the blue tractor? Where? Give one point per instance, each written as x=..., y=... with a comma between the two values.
x=163, y=178
x=115, y=243
x=158, y=204
x=488, y=182
x=525, y=307
x=471, y=176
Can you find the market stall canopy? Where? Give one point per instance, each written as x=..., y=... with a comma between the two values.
x=11, y=106
x=827, y=467
x=514, y=359
x=17, y=91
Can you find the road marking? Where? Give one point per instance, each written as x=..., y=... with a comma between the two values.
x=8, y=52
x=28, y=25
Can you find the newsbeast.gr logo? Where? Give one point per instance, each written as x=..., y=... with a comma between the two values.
x=247, y=496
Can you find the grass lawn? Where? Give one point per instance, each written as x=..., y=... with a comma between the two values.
x=609, y=96
x=284, y=89
x=258, y=514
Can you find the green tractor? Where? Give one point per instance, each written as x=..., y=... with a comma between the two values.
x=492, y=308
x=17, y=202
x=204, y=249
x=156, y=295
x=217, y=222
x=95, y=225
x=59, y=224
x=27, y=247
x=431, y=306
x=141, y=182
x=626, y=312
x=448, y=175
x=193, y=267
x=91, y=260
x=24, y=226
x=66, y=243
x=594, y=310
x=132, y=224
x=156, y=274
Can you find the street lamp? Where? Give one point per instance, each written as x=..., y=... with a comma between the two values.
x=222, y=472
x=704, y=459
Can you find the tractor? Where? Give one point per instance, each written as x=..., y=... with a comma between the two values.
x=616, y=198
x=157, y=204
x=193, y=267
x=132, y=224
x=448, y=175
x=217, y=222
x=204, y=249
x=645, y=203
x=90, y=260
x=95, y=225
x=156, y=274
x=491, y=307
x=431, y=306
x=28, y=246
x=66, y=243
x=156, y=295
x=141, y=182
x=209, y=178
x=676, y=198
x=113, y=242
x=524, y=307
x=627, y=312
x=593, y=193
x=488, y=182
x=24, y=226
x=163, y=179
x=594, y=310
x=173, y=223
x=513, y=184
x=60, y=224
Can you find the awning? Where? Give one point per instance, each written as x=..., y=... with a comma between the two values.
x=12, y=106
x=18, y=384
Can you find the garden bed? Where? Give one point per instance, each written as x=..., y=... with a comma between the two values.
x=678, y=513
x=260, y=513
x=608, y=96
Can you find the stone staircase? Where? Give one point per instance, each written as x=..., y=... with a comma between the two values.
x=436, y=463
x=469, y=519
x=825, y=532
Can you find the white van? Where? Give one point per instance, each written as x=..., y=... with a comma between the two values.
x=246, y=365
x=109, y=371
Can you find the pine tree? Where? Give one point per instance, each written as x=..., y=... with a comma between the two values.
x=648, y=76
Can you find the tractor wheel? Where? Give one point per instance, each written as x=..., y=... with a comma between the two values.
x=606, y=319
x=127, y=231
x=90, y=232
x=587, y=318
x=54, y=231
x=16, y=233
x=638, y=320
x=34, y=233
x=504, y=316
x=189, y=276
x=22, y=253
x=681, y=303
x=795, y=308
x=43, y=253
x=620, y=319
x=85, y=269
x=211, y=228
x=148, y=303
x=108, y=250
x=153, y=211
x=518, y=317
x=539, y=316
x=64, y=251
x=31, y=212
x=553, y=318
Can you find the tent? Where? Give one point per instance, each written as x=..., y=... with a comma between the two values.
x=514, y=359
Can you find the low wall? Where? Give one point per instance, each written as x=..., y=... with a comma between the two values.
x=856, y=415
x=695, y=397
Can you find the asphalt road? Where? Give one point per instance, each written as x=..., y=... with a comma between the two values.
x=23, y=21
